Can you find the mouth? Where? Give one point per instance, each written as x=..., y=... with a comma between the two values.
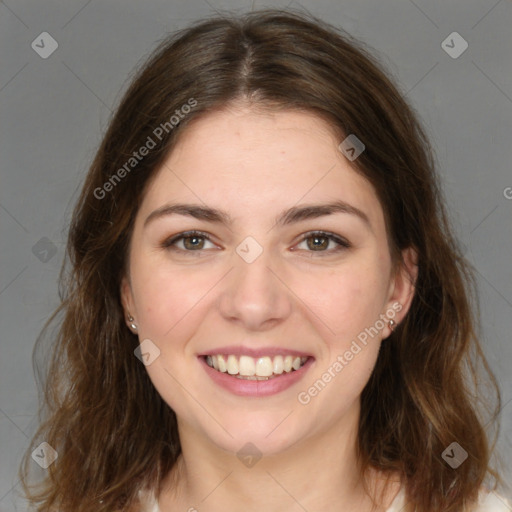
x=263, y=368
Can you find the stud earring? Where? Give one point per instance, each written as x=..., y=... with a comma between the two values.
x=132, y=324
x=392, y=325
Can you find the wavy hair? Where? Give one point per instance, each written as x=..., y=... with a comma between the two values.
x=113, y=432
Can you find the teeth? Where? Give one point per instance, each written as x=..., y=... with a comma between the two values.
x=264, y=367
x=278, y=365
x=254, y=369
x=247, y=366
x=223, y=367
x=232, y=365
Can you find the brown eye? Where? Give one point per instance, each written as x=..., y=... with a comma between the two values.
x=192, y=241
x=319, y=241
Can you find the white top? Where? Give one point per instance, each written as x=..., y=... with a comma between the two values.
x=487, y=502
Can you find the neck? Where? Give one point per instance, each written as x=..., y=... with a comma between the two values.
x=318, y=473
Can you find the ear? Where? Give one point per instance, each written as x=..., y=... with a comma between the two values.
x=127, y=301
x=402, y=288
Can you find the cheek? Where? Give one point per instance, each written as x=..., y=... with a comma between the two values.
x=173, y=303
x=349, y=303
x=348, y=299
x=164, y=296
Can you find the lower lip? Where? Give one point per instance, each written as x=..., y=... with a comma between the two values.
x=257, y=388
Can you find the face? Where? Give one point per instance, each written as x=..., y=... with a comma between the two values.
x=272, y=283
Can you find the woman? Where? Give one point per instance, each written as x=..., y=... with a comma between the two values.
x=266, y=308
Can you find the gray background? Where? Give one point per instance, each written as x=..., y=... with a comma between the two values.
x=54, y=111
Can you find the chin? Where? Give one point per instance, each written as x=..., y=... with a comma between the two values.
x=268, y=435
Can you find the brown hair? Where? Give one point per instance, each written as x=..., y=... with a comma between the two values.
x=113, y=432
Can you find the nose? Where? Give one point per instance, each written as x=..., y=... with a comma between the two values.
x=255, y=295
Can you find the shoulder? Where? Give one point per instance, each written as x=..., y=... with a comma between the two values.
x=488, y=501
x=148, y=501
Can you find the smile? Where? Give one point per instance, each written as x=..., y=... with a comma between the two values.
x=250, y=368
x=255, y=371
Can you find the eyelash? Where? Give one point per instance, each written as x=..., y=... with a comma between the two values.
x=342, y=243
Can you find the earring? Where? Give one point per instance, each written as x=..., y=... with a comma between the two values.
x=132, y=324
x=392, y=325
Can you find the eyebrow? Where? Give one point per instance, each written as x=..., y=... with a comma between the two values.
x=290, y=216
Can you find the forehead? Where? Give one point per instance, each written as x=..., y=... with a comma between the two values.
x=244, y=135
x=255, y=163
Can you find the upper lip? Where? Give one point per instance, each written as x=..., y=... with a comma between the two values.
x=255, y=352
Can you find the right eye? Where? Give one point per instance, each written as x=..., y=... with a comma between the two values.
x=193, y=241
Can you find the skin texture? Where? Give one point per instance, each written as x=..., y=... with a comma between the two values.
x=254, y=165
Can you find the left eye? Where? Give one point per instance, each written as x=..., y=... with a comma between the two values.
x=317, y=241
